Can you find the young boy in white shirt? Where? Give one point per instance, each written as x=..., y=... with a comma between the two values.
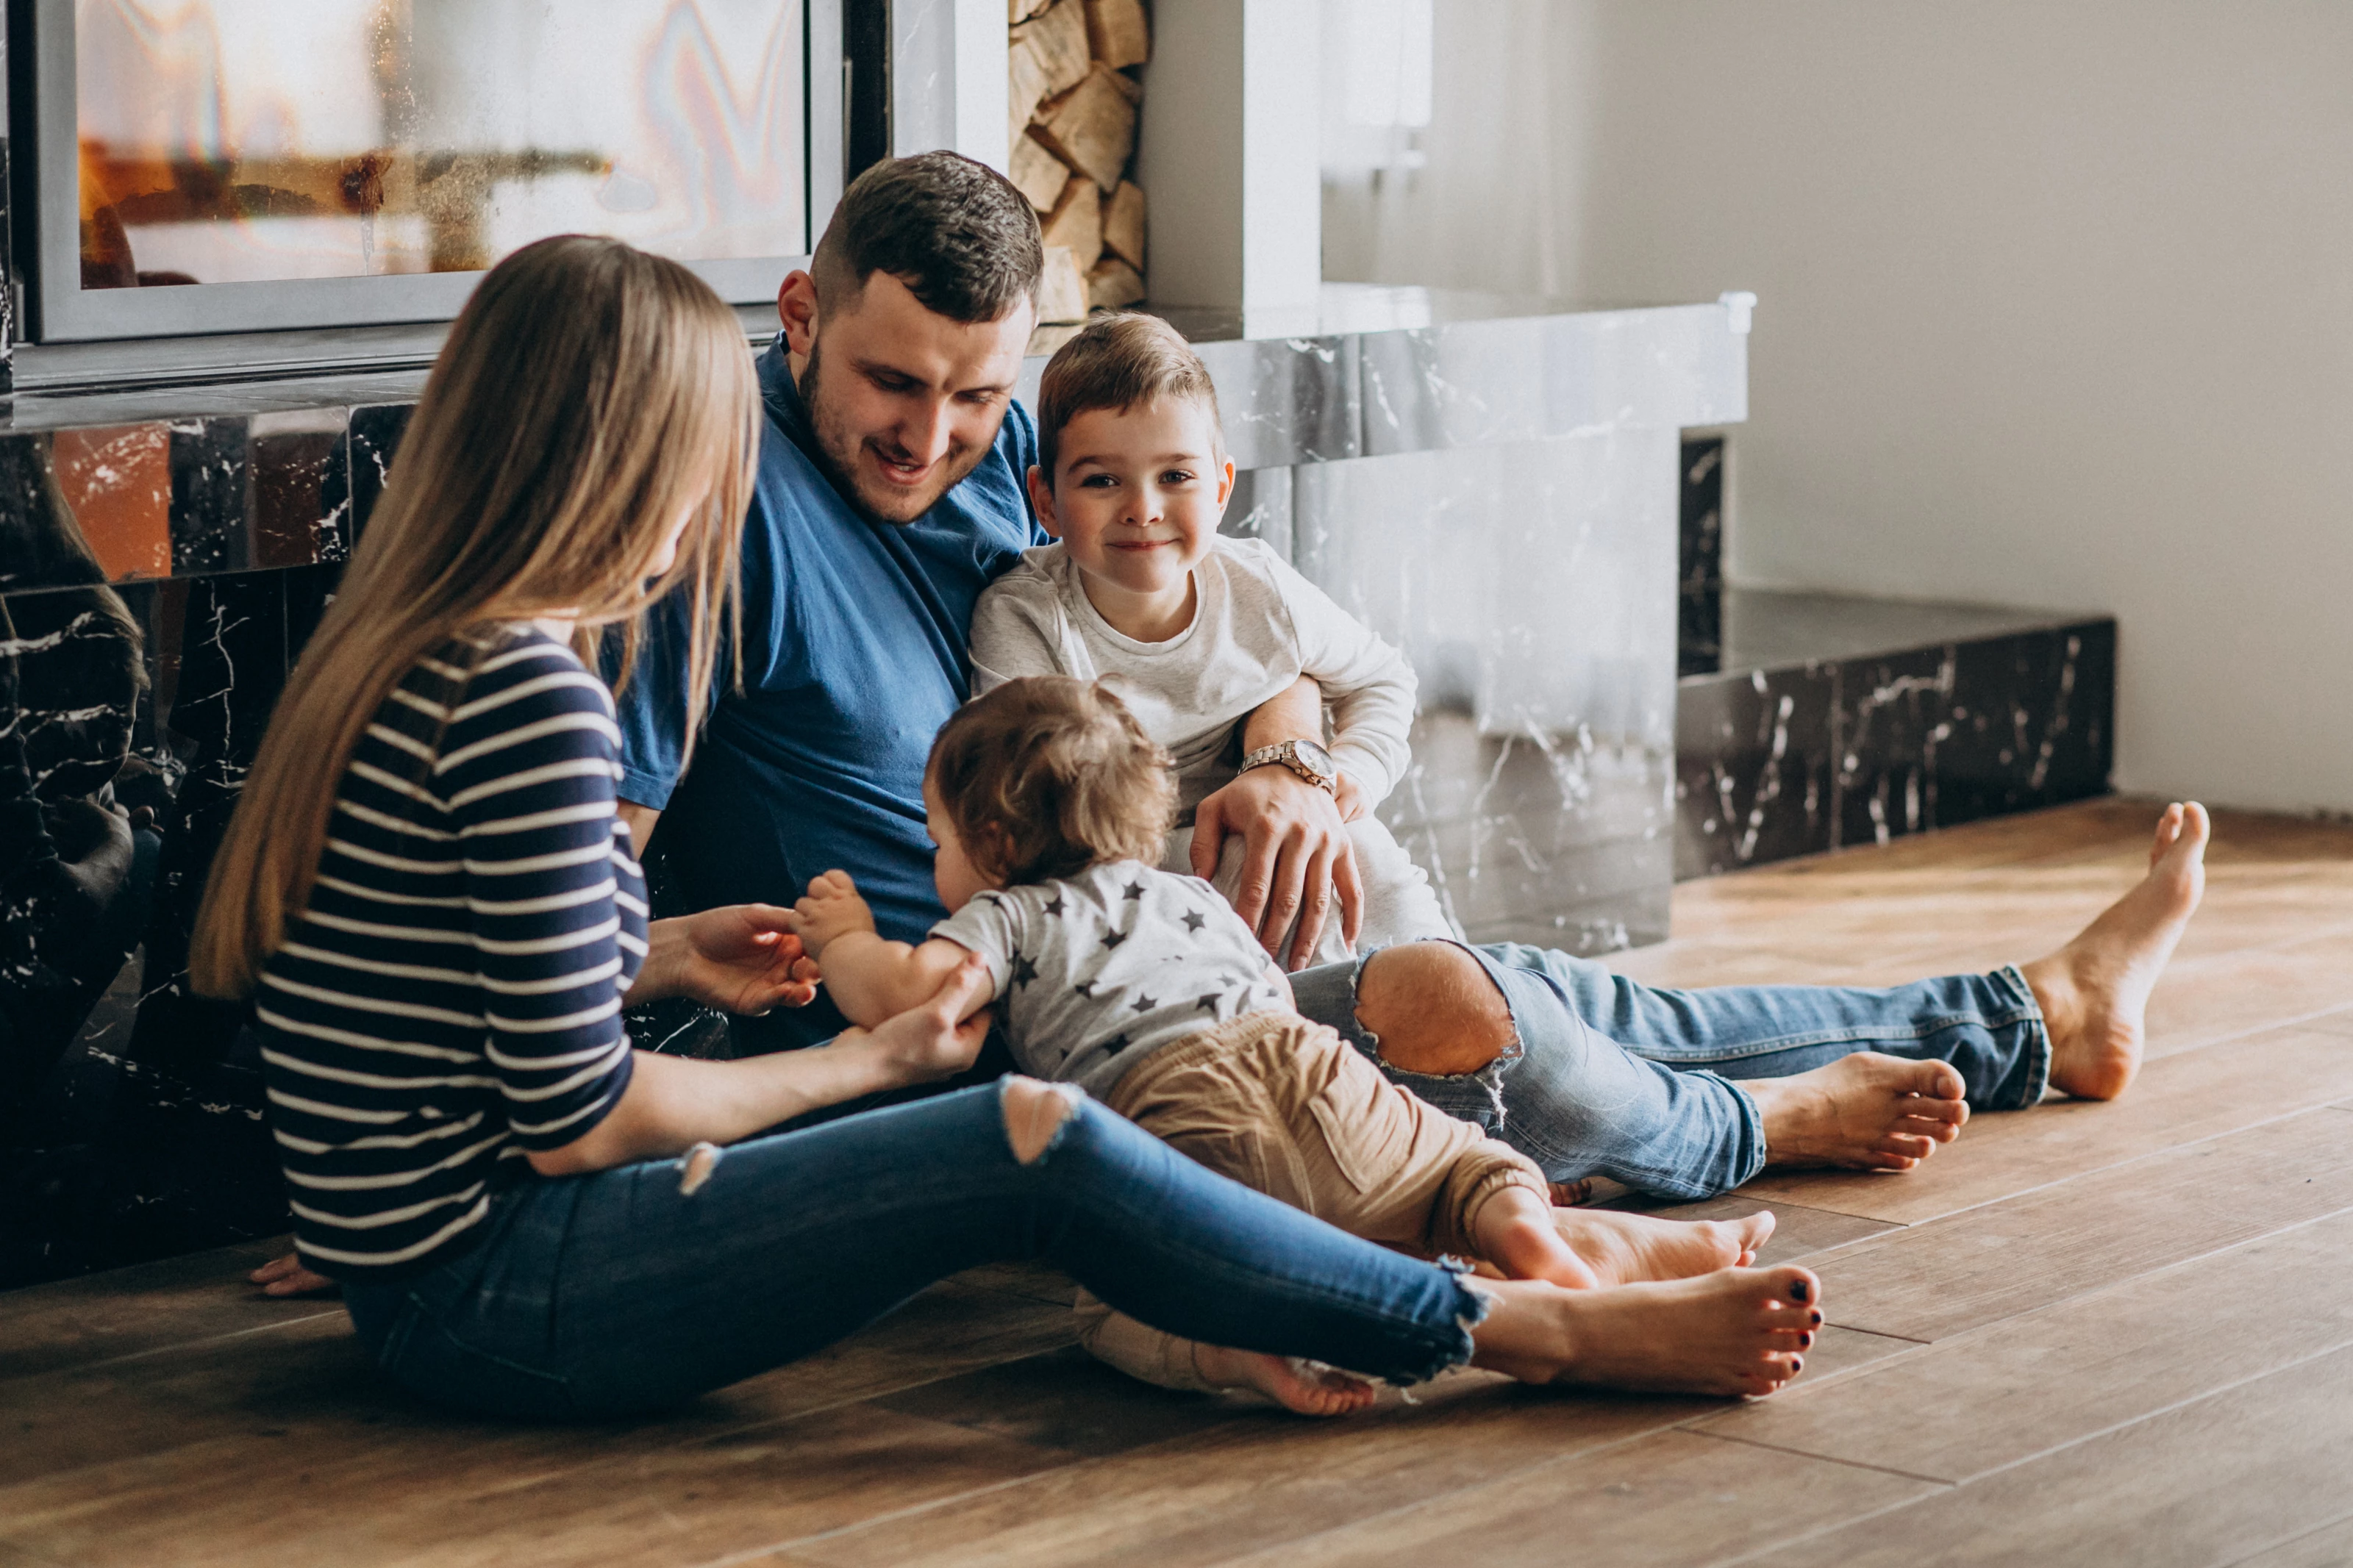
x=1192, y=630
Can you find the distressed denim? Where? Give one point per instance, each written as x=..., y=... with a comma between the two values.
x=1611, y=1077
x=619, y=1292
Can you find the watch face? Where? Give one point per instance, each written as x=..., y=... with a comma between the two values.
x=1316, y=757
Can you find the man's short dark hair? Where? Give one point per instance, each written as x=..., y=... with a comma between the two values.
x=956, y=233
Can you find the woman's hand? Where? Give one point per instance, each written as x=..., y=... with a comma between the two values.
x=925, y=1043
x=287, y=1277
x=833, y=909
x=742, y=958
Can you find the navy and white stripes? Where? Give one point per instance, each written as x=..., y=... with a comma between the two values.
x=451, y=998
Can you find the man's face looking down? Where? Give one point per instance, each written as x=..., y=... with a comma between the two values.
x=904, y=400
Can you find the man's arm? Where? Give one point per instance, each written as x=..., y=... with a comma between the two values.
x=1297, y=855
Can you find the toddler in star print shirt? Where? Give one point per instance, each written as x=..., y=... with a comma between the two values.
x=1049, y=803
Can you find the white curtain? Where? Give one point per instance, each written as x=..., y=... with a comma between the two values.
x=1471, y=198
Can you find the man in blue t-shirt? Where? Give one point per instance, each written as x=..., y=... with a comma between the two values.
x=890, y=491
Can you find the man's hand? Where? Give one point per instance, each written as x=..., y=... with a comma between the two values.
x=833, y=909
x=287, y=1277
x=1296, y=857
x=743, y=958
x=928, y=1042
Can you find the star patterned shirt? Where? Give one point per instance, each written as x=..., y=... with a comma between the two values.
x=1093, y=972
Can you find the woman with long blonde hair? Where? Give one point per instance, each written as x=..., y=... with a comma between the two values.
x=430, y=899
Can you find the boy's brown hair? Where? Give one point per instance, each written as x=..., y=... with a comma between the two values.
x=1047, y=775
x=1117, y=362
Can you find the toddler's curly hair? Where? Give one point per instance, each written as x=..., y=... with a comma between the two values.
x=1047, y=775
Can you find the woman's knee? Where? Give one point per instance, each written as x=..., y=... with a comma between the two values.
x=1433, y=1009
x=1034, y=1112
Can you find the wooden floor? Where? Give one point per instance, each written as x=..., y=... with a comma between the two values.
x=2085, y=1334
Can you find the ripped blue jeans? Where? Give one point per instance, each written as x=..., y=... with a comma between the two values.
x=621, y=1292
x=1611, y=1077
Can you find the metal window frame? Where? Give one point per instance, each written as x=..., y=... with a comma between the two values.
x=212, y=331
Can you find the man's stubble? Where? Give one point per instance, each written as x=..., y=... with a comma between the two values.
x=839, y=448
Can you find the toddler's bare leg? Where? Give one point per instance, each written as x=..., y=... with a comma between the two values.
x=1145, y=1353
x=1515, y=1232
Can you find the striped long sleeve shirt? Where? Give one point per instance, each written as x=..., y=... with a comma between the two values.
x=450, y=999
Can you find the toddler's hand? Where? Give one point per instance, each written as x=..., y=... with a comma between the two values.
x=832, y=908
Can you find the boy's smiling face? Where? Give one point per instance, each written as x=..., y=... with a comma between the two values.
x=1136, y=498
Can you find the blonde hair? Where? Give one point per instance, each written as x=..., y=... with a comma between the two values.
x=1117, y=362
x=1047, y=775
x=587, y=396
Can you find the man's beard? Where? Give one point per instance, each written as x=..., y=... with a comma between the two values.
x=838, y=451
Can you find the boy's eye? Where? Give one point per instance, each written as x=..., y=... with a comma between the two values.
x=1097, y=482
x=1176, y=476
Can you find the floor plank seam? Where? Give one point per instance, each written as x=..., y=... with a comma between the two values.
x=1945, y=1481
x=2216, y=1392
x=2038, y=1455
x=1585, y=1455
x=2114, y=1285
x=1864, y=1243
x=182, y=1345
x=912, y=1510
x=2270, y=1546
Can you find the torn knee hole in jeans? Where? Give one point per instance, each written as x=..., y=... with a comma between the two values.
x=1036, y=1115
x=695, y=1166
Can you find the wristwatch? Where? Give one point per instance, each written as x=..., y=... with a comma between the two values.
x=1305, y=758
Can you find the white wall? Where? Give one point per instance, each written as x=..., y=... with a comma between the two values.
x=2057, y=310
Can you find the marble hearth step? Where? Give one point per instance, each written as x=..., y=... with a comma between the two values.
x=1827, y=720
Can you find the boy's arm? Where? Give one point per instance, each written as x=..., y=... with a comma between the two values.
x=1368, y=683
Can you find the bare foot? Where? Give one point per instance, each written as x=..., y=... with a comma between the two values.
x=1629, y=1248
x=1515, y=1231
x=1737, y=1331
x=1303, y=1387
x=1864, y=1113
x=2094, y=990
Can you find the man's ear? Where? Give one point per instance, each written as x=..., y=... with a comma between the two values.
x=796, y=308
x=1041, y=499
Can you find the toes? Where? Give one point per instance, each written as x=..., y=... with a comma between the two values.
x=1792, y=1284
x=1907, y=1146
x=1755, y=1229
x=1942, y=1082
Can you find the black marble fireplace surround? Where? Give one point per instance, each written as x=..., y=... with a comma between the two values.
x=131, y=1123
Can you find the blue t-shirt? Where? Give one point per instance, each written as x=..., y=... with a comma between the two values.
x=854, y=655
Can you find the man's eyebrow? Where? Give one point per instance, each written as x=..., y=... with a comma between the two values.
x=867, y=365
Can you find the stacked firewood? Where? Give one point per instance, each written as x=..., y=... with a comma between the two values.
x=1076, y=93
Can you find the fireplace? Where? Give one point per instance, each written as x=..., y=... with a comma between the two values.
x=211, y=184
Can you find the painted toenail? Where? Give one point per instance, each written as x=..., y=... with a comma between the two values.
x=1818, y=1319
x=1798, y=1291
x=1797, y=1365
x=1805, y=1341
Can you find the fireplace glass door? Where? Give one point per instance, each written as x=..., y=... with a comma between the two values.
x=222, y=166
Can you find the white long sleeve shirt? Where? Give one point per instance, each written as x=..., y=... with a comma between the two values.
x=1258, y=625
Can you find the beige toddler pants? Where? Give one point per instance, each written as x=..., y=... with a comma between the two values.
x=1289, y=1107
